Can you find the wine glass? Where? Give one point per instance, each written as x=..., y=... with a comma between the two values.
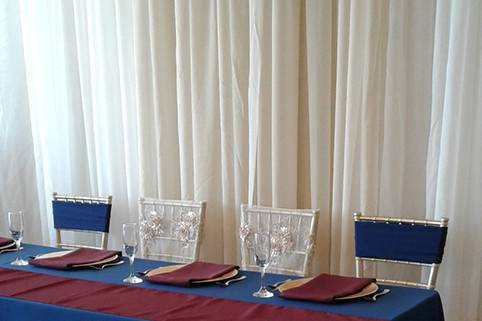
x=130, y=236
x=15, y=226
x=262, y=257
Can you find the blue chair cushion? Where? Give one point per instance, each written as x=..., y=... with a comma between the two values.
x=81, y=216
x=403, y=242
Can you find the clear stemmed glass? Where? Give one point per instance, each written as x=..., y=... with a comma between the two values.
x=262, y=257
x=15, y=225
x=130, y=236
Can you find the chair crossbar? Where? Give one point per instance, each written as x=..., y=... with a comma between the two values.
x=77, y=246
x=279, y=270
x=81, y=231
x=82, y=199
x=302, y=213
x=443, y=222
x=175, y=203
x=173, y=256
x=394, y=261
x=170, y=238
x=405, y=283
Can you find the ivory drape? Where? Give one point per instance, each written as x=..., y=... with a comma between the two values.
x=17, y=163
x=339, y=105
x=81, y=93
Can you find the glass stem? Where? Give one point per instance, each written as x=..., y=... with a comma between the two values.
x=261, y=280
x=131, y=262
x=17, y=245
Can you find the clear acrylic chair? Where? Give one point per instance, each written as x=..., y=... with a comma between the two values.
x=81, y=214
x=400, y=241
x=171, y=230
x=292, y=233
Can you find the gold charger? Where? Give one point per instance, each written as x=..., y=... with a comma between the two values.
x=62, y=253
x=171, y=268
x=369, y=289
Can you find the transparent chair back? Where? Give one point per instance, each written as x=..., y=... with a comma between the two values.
x=292, y=232
x=170, y=230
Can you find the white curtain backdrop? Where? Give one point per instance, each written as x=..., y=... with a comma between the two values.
x=382, y=117
x=17, y=162
x=79, y=61
x=454, y=183
x=337, y=105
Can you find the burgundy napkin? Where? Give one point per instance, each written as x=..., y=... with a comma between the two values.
x=196, y=271
x=79, y=256
x=4, y=242
x=326, y=288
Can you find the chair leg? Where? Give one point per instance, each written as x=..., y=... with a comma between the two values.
x=432, y=278
x=358, y=267
x=105, y=238
x=58, y=238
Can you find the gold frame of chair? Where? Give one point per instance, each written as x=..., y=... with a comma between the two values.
x=81, y=199
x=313, y=214
x=434, y=267
x=148, y=201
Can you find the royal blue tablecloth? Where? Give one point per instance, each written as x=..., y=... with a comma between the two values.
x=402, y=304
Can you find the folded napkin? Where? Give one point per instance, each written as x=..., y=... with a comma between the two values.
x=326, y=288
x=79, y=256
x=4, y=242
x=196, y=271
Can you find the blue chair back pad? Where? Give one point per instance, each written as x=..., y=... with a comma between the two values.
x=81, y=216
x=402, y=242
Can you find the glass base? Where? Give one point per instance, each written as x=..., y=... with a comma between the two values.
x=263, y=293
x=132, y=279
x=19, y=262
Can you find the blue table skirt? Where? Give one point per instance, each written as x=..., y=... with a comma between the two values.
x=402, y=304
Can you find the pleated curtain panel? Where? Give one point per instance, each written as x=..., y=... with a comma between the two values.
x=372, y=106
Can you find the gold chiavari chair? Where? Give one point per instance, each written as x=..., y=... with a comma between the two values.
x=81, y=214
x=400, y=241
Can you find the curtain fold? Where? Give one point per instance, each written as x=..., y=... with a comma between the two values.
x=454, y=158
x=17, y=161
x=338, y=105
x=80, y=88
x=232, y=24
x=359, y=121
x=317, y=83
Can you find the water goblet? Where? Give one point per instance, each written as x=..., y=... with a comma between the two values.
x=262, y=257
x=15, y=226
x=130, y=237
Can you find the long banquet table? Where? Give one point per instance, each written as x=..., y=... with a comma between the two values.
x=402, y=304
